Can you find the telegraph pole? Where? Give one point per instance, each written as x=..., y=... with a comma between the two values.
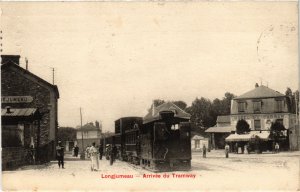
x=53, y=76
x=82, y=155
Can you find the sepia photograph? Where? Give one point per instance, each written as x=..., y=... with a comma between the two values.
x=150, y=96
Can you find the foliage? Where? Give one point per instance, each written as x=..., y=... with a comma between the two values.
x=242, y=127
x=203, y=111
x=181, y=104
x=276, y=130
x=293, y=97
x=66, y=134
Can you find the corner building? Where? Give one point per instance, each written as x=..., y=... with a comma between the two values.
x=24, y=91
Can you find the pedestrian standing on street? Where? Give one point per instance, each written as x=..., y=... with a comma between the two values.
x=101, y=151
x=94, y=157
x=60, y=154
x=226, y=150
x=204, y=151
x=111, y=155
x=276, y=148
x=87, y=151
x=76, y=149
x=115, y=152
x=236, y=148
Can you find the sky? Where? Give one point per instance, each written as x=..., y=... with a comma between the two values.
x=113, y=59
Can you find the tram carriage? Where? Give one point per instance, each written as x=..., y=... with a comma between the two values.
x=161, y=141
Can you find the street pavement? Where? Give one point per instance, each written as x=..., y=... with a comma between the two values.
x=215, y=172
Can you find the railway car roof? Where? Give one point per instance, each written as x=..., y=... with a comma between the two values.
x=154, y=113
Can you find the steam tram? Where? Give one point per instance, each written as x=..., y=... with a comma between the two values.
x=158, y=142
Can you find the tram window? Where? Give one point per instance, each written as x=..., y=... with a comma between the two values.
x=175, y=127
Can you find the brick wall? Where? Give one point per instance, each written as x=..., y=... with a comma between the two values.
x=13, y=157
x=15, y=83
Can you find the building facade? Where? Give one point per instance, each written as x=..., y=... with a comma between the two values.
x=88, y=134
x=262, y=107
x=197, y=143
x=22, y=92
x=219, y=132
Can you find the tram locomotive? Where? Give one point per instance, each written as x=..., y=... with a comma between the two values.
x=161, y=141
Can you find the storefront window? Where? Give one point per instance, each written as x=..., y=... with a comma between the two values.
x=12, y=136
x=257, y=125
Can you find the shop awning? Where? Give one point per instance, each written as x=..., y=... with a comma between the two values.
x=264, y=135
x=237, y=137
x=18, y=112
x=226, y=129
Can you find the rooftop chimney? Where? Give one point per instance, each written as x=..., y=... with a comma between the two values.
x=97, y=124
x=10, y=58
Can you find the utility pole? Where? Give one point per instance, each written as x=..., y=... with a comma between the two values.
x=82, y=155
x=1, y=48
x=26, y=61
x=53, y=75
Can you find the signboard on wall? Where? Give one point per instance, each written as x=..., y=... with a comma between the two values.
x=16, y=99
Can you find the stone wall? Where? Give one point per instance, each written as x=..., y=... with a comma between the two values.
x=16, y=83
x=13, y=157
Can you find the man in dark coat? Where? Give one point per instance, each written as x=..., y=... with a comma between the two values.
x=204, y=151
x=101, y=151
x=76, y=149
x=60, y=154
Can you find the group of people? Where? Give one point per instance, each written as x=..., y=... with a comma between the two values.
x=96, y=153
x=204, y=151
x=93, y=152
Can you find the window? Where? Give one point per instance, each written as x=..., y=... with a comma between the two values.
x=12, y=135
x=257, y=125
x=197, y=144
x=241, y=106
x=279, y=121
x=279, y=105
x=256, y=106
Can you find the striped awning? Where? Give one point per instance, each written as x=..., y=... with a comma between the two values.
x=18, y=112
x=264, y=135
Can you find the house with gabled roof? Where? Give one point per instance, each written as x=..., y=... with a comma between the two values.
x=88, y=134
x=29, y=113
x=260, y=108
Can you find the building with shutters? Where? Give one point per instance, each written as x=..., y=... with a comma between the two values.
x=260, y=107
x=29, y=114
x=88, y=134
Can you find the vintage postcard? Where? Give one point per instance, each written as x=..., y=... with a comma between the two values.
x=150, y=96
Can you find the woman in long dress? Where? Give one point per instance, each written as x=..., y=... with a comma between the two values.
x=94, y=158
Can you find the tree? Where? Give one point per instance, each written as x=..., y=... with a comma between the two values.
x=202, y=113
x=66, y=134
x=157, y=102
x=293, y=100
x=276, y=130
x=242, y=127
x=181, y=104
